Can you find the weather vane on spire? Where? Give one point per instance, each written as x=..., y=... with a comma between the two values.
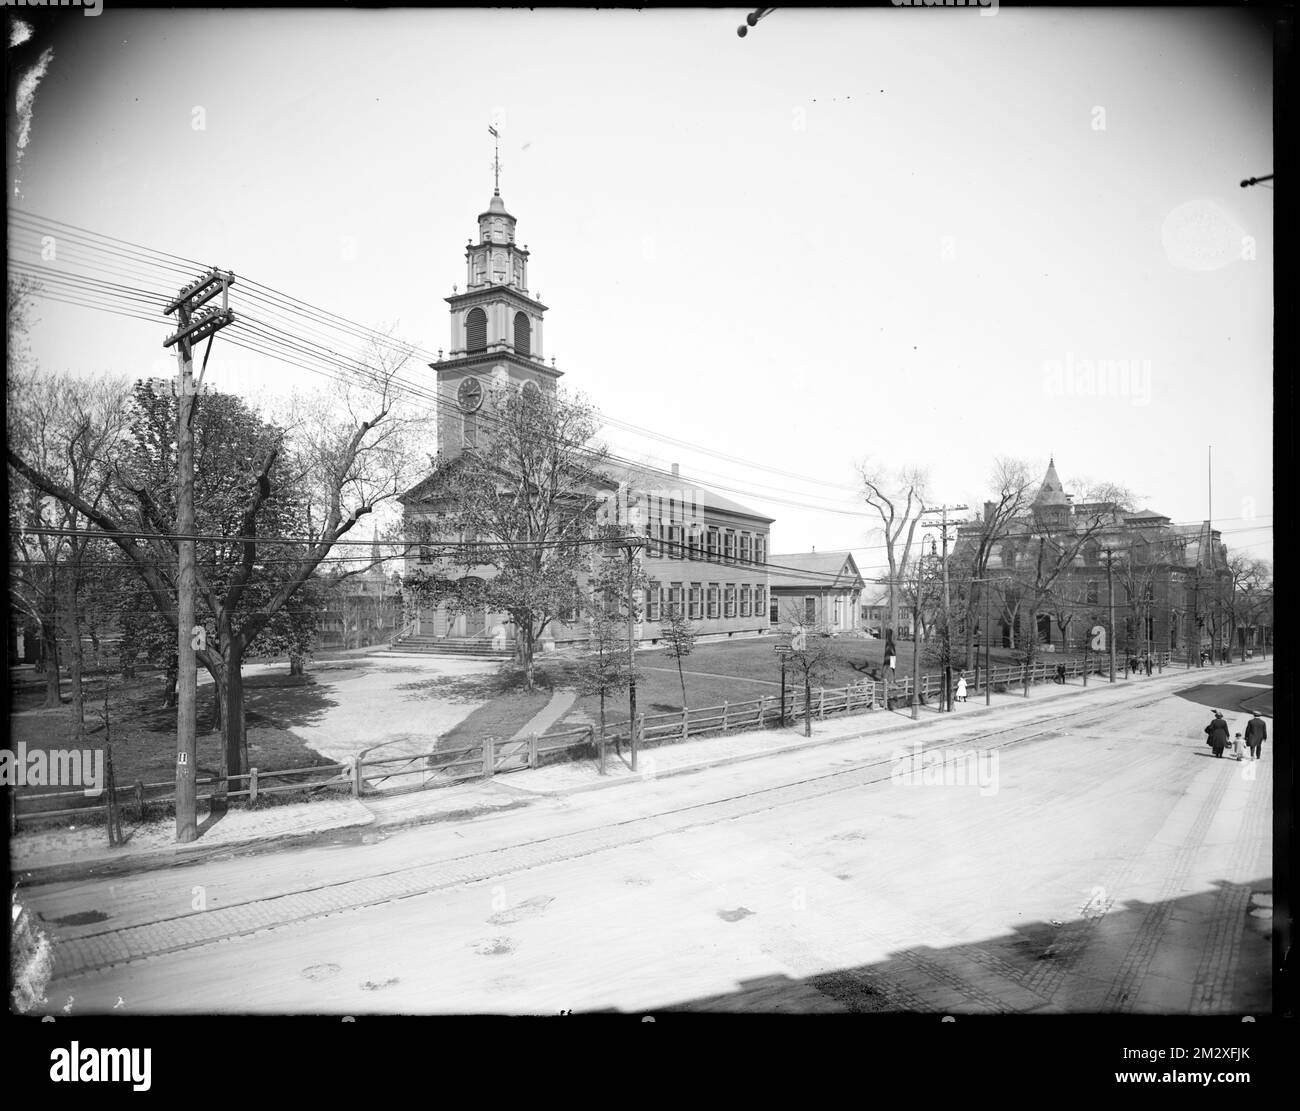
x=496, y=161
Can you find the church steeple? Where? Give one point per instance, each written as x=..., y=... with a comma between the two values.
x=496, y=330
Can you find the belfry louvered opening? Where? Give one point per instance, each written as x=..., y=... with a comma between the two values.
x=523, y=333
x=476, y=330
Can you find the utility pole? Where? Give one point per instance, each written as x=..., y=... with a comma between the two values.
x=947, y=629
x=1110, y=608
x=988, y=637
x=194, y=327
x=916, y=646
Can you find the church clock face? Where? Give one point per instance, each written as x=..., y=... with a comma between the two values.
x=470, y=395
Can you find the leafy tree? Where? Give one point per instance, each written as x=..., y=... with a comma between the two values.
x=528, y=500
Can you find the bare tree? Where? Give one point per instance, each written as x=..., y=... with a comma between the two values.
x=342, y=460
x=1012, y=486
x=899, y=499
x=71, y=428
x=810, y=655
x=677, y=632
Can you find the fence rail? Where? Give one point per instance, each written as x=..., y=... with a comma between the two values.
x=488, y=756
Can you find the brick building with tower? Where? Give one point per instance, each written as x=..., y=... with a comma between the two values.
x=1167, y=580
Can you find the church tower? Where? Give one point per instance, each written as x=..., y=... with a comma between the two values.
x=496, y=333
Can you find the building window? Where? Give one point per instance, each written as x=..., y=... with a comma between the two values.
x=697, y=602
x=675, y=599
x=729, y=546
x=1092, y=593
x=760, y=550
x=746, y=548
x=475, y=331
x=652, y=536
x=713, y=545
x=523, y=333
x=652, y=601
x=744, y=600
x=424, y=532
x=759, y=592
x=774, y=613
x=1008, y=557
x=729, y=600
x=695, y=550
x=810, y=611
x=675, y=542
x=713, y=600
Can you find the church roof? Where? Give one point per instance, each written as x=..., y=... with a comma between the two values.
x=645, y=479
x=497, y=204
x=1051, y=492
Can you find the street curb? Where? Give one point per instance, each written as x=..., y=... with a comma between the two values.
x=723, y=761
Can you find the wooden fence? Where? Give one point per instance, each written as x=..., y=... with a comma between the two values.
x=489, y=756
x=382, y=775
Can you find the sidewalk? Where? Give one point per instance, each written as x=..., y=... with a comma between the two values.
x=43, y=856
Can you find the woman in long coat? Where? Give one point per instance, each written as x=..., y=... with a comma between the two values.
x=1217, y=734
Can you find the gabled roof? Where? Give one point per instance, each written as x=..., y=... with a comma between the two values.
x=643, y=478
x=815, y=569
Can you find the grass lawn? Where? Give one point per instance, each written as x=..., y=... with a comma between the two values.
x=143, y=730
x=735, y=671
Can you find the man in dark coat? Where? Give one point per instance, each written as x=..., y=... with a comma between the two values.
x=1217, y=734
x=1256, y=734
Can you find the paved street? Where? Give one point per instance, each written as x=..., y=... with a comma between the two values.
x=1095, y=858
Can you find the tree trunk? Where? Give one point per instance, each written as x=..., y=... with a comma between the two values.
x=234, y=735
x=807, y=707
x=50, y=658
x=297, y=664
x=682, y=679
x=73, y=627
x=173, y=675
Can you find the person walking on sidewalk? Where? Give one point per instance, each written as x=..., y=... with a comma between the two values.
x=1236, y=746
x=1256, y=734
x=1217, y=734
x=961, y=686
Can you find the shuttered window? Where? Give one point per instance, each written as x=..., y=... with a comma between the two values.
x=476, y=330
x=523, y=333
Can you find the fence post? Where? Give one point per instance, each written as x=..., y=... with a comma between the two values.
x=848, y=700
x=724, y=715
x=762, y=707
x=252, y=786
x=356, y=775
x=600, y=747
x=532, y=750
x=821, y=703
x=489, y=757
x=139, y=800
x=686, y=724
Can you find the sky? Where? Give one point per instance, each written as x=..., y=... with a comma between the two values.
x=909, y=236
